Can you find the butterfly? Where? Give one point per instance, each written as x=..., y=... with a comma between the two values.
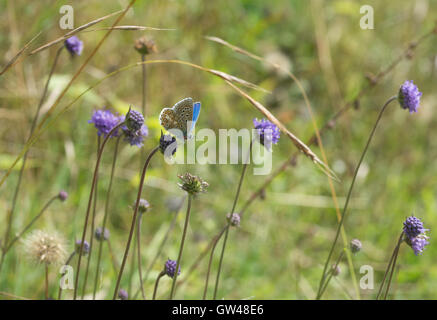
x=183, y=114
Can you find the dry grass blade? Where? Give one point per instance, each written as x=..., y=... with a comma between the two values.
x=234, y=79
x=74, y=31
x=296, y=141
x=40, y=128
x=131, y=28
x=19, y=53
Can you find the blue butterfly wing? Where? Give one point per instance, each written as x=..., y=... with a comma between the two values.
x=196, y=112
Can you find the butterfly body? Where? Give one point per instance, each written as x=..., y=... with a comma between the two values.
x=183, y=114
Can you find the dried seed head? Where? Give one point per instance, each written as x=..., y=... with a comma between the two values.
x=43, y=247
x=145, y=46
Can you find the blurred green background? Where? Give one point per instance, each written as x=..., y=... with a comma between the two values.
x=279, y=250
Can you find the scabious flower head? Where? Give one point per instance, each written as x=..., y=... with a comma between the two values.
x=355, y=245
x=413, y=227
x=170, y=268
x=415, y=234
x=134, y=120
x=104, y=121
x=46, y=248
x=63, y=195
x=134, y=137
x=122, y=294
x=143, y=206
x=85, y=249
x=418, y=243
x=145, y=46
x=268, y=132
x=409, y=96
x=74, y=45
x=165, y=141
x=234, y=219
x=101, y=235
x=192, y=184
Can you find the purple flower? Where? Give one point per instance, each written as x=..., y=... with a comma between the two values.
x=166, y=141
x=104, y=121
x=170, y=268
x=415, y=234
x=101, y=235
x=267, y=131
x=409, y=96
x=122, y=294
x=413, y=227
x=74, y=45
x=85, y=249
x=418, y=243
x=135, y=138
x=134, y=120
x=63, y=195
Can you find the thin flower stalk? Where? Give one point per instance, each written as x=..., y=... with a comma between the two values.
x=181, y=248
x=31, y=223
x=66, y=263
x=243, y=173
x=20, y=175
x=155, y=290
x=105, y=216
x=161, y=245
x=140, y=273
x=93, y=185
x=93, y=221
x=343, y=215
x=140, y=189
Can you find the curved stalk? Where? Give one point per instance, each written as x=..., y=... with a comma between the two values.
x=93, y=185
x=181, y=248
x=140, y=189
x=243, y=173
x=156, y=284
x=93, y=221
x=208, y=272
x=66, y=263
x=30, y=224
x=343, y=215
x=105, y=217
x=20, y=175
x=139, y=255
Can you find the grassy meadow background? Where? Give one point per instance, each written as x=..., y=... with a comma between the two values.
x=284, y=239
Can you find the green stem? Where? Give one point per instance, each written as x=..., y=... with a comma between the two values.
x=93, y=185
x=20, y=175
x=243, y=173
x=187, y=218
x=157, y=283
x=331, y=273
x=140, y=189
x=66, y=263
x=208, y=272
x=393, y=268
x=105, y=217
x=139, y=255
x=388, y=267
x=30, y=224
x=93, y=221
x=343, y=215
x=161, y=246
x=47, y=281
